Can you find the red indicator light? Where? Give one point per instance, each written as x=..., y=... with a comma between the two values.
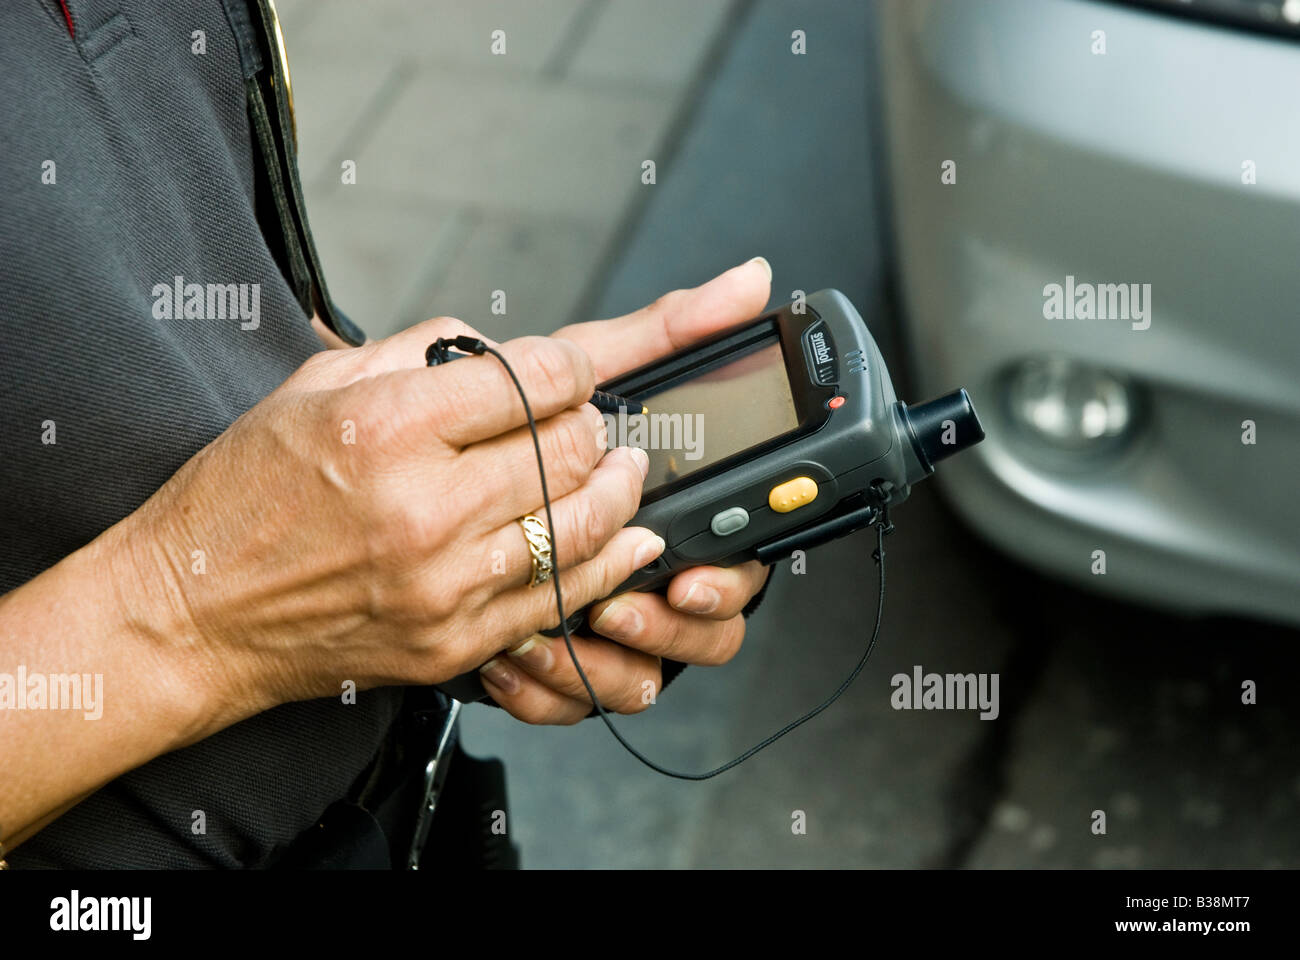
x=835, y=402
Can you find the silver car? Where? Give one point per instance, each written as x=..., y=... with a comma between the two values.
x=1096, y=219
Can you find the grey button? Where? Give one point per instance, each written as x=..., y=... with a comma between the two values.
x=728, y=521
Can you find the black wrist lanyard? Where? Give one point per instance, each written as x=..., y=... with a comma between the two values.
x=476, y=347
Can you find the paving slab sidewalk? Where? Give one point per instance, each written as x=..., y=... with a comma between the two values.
x=452, y=149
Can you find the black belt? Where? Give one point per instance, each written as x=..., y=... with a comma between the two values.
x=423, y=803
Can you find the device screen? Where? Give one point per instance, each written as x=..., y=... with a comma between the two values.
x=706, y=418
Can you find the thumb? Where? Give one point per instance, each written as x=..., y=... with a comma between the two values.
x=674, y=320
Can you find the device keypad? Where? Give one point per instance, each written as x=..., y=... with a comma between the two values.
x=792, y=494
x=729, y=521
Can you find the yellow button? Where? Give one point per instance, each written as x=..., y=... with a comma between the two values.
x=792, y=494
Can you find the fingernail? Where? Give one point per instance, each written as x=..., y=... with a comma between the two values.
x=535, y=652
x=700, y=598
x=648, y=550
x=500, y=675
x=620, y=621
x=766, y=266
x=642, y=460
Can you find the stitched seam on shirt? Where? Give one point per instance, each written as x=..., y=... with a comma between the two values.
x=241, y=25
x=105, y=38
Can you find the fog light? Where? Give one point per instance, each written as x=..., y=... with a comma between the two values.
x=1070, y=405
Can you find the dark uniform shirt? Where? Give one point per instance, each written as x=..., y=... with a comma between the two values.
x=129, y=160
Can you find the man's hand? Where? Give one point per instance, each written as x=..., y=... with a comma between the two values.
x=356, y=528
x=360, y=524
x=699, y=620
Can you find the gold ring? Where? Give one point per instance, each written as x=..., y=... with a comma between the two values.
x=539, y=545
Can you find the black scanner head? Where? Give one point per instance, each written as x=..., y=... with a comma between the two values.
x=942, y=427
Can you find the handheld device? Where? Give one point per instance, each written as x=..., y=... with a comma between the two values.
x=776, y=435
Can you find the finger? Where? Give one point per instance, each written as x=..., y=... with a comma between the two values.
x=527, y=699
x=529, y=610
x=474, y=398
x=718, y=593
x=715, y=592
x=646, y=622
x=625, y=680
x=585, y=521
x=334, y=368
x=505, y=467
x=405, y=350
x=674, y=320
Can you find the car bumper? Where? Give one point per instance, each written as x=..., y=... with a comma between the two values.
x=1124, y=167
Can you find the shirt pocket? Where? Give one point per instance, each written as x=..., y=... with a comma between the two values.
x=99, y=27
